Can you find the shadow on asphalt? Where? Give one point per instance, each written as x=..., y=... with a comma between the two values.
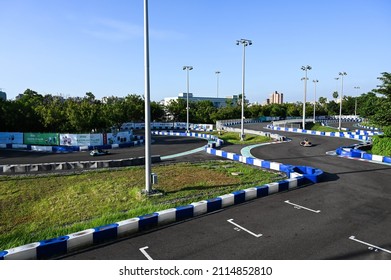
x=364, y=171
x=298, y=157
x=366, y=254
x=329, y=177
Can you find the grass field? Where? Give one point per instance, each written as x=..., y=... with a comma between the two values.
x=34, y=208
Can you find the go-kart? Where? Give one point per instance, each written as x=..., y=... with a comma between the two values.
x=99, y=152
x=306, y=144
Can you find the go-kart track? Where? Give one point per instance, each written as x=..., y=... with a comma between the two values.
x=162, y=146
x=345, y=216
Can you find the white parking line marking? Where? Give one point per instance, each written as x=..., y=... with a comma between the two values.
x=145, y=253
x=370, y=246
x=246, y=230
x=297, y=206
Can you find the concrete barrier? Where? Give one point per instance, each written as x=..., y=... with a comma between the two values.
x=50, y=248
x=128, y=227
x=80, y=240
x=105, y=233
x=24, y=252
x=55, y=166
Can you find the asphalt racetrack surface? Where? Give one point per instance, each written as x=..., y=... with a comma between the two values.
x=346, y=216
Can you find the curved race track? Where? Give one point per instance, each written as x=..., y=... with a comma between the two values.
x=334, y=219
x=162, y=145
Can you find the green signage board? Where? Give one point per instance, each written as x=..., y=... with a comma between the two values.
x=46, y=139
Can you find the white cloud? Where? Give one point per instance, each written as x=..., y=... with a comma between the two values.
x=113, y=30
x=118, y=31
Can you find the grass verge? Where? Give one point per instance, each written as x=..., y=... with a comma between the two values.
x=34, y=208
x=234, y=138
x=319, y=127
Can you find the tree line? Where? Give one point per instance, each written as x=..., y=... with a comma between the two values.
x=33, y=112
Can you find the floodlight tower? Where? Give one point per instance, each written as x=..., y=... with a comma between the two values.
x=355, y=103
x=340, y=99
x=217, y=75
x=305, y=68
x=315, y=82
x=245, y=43
x=187, y=68
x=148, y=174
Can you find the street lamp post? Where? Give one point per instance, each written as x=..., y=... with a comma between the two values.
x=187, y=68
x=315, y=82
x=217, y=75
x=355, y=102
x=245, y=43
x=305, y=68
x=340, y=99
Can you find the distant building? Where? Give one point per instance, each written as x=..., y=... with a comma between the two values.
x=275, y=98
x=3, y=95
x=217, y=101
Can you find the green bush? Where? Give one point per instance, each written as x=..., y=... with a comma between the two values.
x=381, y=145
x=387, y=131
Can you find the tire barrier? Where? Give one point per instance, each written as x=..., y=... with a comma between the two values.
x=61, y=166
x=298, y=177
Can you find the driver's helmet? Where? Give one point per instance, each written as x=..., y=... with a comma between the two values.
x=306, y=139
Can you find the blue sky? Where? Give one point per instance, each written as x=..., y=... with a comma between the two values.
x=71, y=47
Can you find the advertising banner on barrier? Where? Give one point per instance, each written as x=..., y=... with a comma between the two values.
x=202, y=127
x=164, y=125
x=161, y=124
x=11, y=138
x=68, y=139
x=89, y=139
x=127, y=126
x=81, y=139
x=180, y=124
x=32, y=138
x=118, y=138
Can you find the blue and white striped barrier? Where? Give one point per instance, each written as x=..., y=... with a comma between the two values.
x=310, y=174
x=356, y=153
x=367, y=132
x=372, y=128
x=349, y=135
x=218, y=142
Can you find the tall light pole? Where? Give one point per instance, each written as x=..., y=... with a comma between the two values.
x=217, y=75
x=245, y=43
x=355, y=102
x=148, y=174
x=187, y=68
x=305, y=68
x=336, y=85
x=340, y=99
x=315, y=82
